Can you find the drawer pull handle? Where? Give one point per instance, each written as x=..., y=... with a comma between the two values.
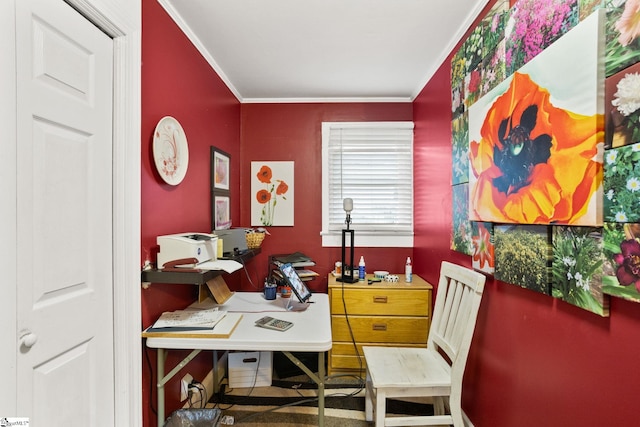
x=379, y=327
x=380, y=299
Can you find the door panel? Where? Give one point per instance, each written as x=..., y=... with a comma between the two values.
x=65, y=364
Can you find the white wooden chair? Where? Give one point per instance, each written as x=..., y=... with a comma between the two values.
x=435, y=371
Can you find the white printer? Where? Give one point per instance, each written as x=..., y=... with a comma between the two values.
x=201, y=246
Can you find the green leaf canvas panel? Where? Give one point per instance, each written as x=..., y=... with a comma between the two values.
x=460, y=150
x=577, y=268
x=622, y=184
x=621, y=268
x=523, y=256
x=622, y=29
x=461, y=232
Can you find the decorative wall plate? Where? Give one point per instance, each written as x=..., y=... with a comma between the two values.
x=170, y=150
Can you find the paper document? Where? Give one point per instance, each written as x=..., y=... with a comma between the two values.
x=190, y=319
x=227, y=265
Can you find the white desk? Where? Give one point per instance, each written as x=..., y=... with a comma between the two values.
x=311, y=332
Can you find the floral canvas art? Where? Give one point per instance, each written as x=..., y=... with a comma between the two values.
x=272, y=193
x=483, y=257
x=522, y=255
x=461, y=233
x=622, y=107
x=536, y=140
x=533, y=25
x=622, y=261
x=622, y=184
x=577, y=268
x=460, y=149
x=622, y=29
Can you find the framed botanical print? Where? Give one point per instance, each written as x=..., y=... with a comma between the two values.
x=221, y=212
x=220, y=168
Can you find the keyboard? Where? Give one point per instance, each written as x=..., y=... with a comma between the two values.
x=272, y=323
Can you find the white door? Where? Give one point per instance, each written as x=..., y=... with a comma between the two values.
x=65, y=362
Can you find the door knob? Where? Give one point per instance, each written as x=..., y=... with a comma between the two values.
x=28, y=339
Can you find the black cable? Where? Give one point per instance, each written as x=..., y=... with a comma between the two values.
x=353, y=339
x=147, y=358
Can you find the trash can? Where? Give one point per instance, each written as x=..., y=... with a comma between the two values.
x=194, y=418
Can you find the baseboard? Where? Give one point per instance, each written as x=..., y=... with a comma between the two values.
x=207, y=382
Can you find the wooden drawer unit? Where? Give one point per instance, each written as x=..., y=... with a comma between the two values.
x=380, y=314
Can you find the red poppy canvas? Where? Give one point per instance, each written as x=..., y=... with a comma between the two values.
x=272, y=193
x=537, y=139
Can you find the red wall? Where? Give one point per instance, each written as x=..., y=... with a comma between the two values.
x=535, y=361
x=292, y=132
x=178, y=82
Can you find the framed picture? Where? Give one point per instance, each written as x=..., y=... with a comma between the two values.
x=221, y=212
x=220, y=168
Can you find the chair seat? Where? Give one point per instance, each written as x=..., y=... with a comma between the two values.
x=407, y=368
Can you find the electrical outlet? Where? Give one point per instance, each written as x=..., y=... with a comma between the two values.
x=184, y=387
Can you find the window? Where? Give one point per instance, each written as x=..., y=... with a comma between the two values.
x=371, y=163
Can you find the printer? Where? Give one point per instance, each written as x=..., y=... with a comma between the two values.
x=201, y=246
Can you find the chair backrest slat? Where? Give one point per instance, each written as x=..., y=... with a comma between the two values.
x=454, y=316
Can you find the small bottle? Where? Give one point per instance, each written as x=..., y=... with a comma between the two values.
x=361, y=269
x=408, y=273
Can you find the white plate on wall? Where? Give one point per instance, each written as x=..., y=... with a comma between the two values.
x=170, y=150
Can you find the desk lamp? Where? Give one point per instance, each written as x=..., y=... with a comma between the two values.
x=347, y=205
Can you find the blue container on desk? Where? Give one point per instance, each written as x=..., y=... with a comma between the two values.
x=270, y=291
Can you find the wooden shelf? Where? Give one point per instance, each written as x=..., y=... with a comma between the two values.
x=191, y=277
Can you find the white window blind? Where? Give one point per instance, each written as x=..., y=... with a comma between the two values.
x=371, y=163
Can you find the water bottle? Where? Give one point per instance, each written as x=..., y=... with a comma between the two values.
x=408, y=271
x=361, y=269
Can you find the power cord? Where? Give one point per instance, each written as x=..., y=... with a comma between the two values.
x=197, y=387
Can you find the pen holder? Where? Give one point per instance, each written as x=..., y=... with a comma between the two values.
x=270, y=291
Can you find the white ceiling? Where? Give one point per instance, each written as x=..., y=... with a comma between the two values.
x=324, y=50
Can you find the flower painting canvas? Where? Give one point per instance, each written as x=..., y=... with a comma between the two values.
x=522, y=255
x=622, y=29
x=461, y=233
x=533, y=25
x=622, y=261
x=272, y=193
x=536, y=140
x=483, y=257
x=622, y=184
x=622, y=107
x=460, y=150
x=577, y=268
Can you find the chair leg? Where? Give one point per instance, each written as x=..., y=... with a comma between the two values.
x=368, y=399
x=381, y=407
x=455, y=407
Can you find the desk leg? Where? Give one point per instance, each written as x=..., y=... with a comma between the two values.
x=161, y=357
x=162, y=378
x=321, y=374
x=318, y=379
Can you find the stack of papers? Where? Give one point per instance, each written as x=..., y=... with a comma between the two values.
x=188, y=320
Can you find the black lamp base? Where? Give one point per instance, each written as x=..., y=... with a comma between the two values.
x=347, y=278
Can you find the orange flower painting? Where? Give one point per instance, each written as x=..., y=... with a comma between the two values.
x=272, y=203
x=535, y=163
